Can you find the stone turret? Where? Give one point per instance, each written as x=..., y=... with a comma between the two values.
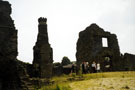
x=42, y=29
x=43, y=54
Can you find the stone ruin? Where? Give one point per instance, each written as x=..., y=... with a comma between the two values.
x=129, y=62
x=11, y=72
x=8, y=47
x=15, y=74
x=90, y=48
x=43, y=53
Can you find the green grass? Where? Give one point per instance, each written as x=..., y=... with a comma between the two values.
x=56, y=87
x=64, y=83
x=61, y=83
x=109, y=74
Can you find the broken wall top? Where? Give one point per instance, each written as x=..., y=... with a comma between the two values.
x=95, y=30
x=5, y=18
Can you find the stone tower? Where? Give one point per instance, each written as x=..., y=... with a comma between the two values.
x=90, y=48
x=43, y=53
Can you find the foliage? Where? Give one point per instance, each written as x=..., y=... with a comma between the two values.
x=65, y=61
x=80, y=73
x=56, y=87
x=56, y=64
x=73, y=75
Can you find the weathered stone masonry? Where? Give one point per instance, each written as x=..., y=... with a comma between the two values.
x=9, y=76
x=43, y=54
x=13, y=74
x=90, y=48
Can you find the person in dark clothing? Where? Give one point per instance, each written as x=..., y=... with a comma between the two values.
x=83, y=68
x=93, y=67
x=73, y=68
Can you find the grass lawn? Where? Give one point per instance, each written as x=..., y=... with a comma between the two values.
x=96, y=81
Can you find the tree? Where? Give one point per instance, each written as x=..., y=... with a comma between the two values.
x=56, y=64
x=65, y=61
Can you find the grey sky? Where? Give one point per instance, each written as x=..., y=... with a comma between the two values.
x=66, y=18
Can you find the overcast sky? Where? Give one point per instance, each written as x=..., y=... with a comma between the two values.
x=66, y=18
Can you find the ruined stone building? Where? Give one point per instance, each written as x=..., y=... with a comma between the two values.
x=10, y=70
x=43, y=54
x=90, y=48
x=15, y=74
x=8, y=47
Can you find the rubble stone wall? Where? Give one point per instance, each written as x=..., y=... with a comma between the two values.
x=90, y=47
x=43, y=53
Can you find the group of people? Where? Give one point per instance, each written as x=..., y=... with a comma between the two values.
x=94, y=67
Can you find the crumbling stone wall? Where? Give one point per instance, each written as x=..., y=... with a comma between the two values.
x=9, y=78
x=43, y=58
x=129, y=61
x=11, y=72
x=8, y=49
x=8, y=33
x=90, y=48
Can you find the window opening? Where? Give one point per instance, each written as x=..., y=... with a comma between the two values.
x=104, y=42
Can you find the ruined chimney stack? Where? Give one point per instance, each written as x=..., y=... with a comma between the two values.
x=42, y=20
x=42, y=51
